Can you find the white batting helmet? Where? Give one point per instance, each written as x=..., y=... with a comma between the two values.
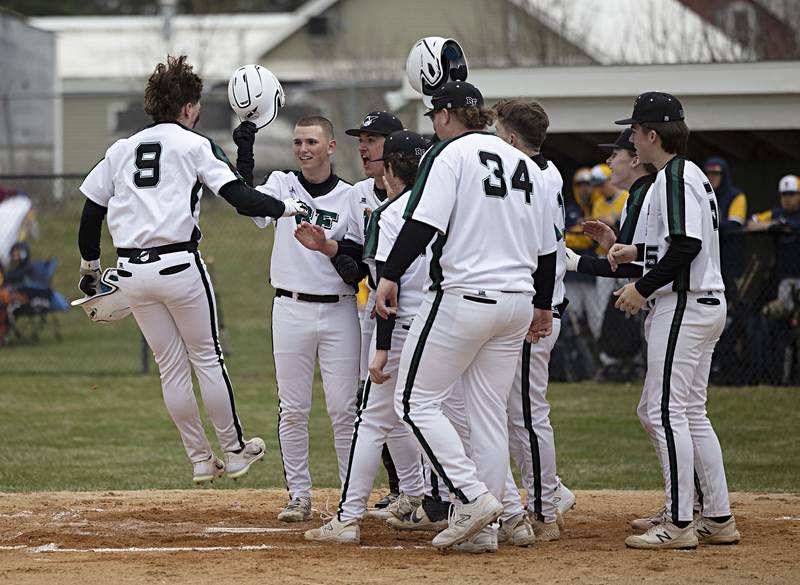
x=109, y=304
x=255, y=94
x=432, y=62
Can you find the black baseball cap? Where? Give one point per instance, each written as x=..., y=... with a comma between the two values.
x=455, y=94
x=622, y=141
x=655, y=106
x=406, y=143
x=378, y=122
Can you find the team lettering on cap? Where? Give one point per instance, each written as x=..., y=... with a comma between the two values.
x=369, y=120
x=471, y=101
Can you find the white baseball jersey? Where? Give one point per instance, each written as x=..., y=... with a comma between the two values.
x=384, y=225
x=554, y=184
x=489, y=203
x=633, y=224
x=682, y=203
x=294, y=267
x=151, y=184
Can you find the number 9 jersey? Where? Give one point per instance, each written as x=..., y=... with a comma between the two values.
x=492, y=210
x=151, y=184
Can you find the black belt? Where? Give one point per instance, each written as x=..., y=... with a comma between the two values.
x=280, y=292
x=157, y=250
x=560, y=309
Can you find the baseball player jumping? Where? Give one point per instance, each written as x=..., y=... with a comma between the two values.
x=314, y=312
x=682, y=283
x=480, y=195
x=149, y=185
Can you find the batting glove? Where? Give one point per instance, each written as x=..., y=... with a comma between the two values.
x=90, y=277
x=296, y=207
x=347, y=268
x=244, y=136
x=572, y=261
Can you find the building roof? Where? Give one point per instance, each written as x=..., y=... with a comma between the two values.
x=126, y=47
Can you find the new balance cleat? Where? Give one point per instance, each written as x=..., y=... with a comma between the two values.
x=336, y=532
x=483, y=542
x=466, y=520
x=710, y=532
x=546, y=531
x=648, y=522
x=664, y=536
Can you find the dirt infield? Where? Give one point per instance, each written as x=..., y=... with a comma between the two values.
x=207, y=536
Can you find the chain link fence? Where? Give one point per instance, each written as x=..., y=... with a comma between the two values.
x=760, y=343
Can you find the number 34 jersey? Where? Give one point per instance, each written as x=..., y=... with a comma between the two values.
x=151, y=184
x=493, y=212
x=682, y=203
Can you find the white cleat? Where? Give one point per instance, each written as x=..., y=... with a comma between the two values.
x=336, y=532
x=664, y=536
x=648, y=522
x=208, y=470
x=710, y=532
x=546, y=531
x=238, y=464
x=403, y=505
x=483, y=542
x=466, y=520
x=298, y=510
x=517, y=531
x=564, y=501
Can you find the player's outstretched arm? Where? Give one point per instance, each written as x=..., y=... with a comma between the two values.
x=253, y=203
x=244, y=136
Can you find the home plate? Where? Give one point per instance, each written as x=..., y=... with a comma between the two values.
x=247, y=530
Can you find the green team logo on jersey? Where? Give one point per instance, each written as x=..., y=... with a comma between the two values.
x=320, y=217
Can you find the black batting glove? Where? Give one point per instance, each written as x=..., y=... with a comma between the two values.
x=245, y=136
x=348, y=269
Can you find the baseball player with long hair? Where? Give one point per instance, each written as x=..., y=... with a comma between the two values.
x=478, y=193
x=314, y=315
x=377, y=421
x=149, y=186
x=683, y=285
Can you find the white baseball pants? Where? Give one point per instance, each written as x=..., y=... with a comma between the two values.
x=681, y=332
x=377, y=423
x=173, y=302
x=301, y=332
x=531, y=439
x=478, y=341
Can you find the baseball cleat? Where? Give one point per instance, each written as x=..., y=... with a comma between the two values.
x=298, y=510
x=710, y=532
x=546, y=531
x=380, y=510
x=208, y=470
x=563, y=498
x=466, y=520
x=336, y=532
x=404, y=505
x=238, y=464
x=648, y=522
x=516, y=531
x=430, y=515
x=483, y=542
x=664, y=536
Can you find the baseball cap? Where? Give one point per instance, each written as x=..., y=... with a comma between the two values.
x=583, y=175
x=712, y=167
x=377, y=122
x=654, y=106
x=600, y=174
x=622, y=141
x=406, y=143
x=455, y=94
x=789, y=184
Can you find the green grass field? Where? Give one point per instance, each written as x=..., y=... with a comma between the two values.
x=77, y=414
